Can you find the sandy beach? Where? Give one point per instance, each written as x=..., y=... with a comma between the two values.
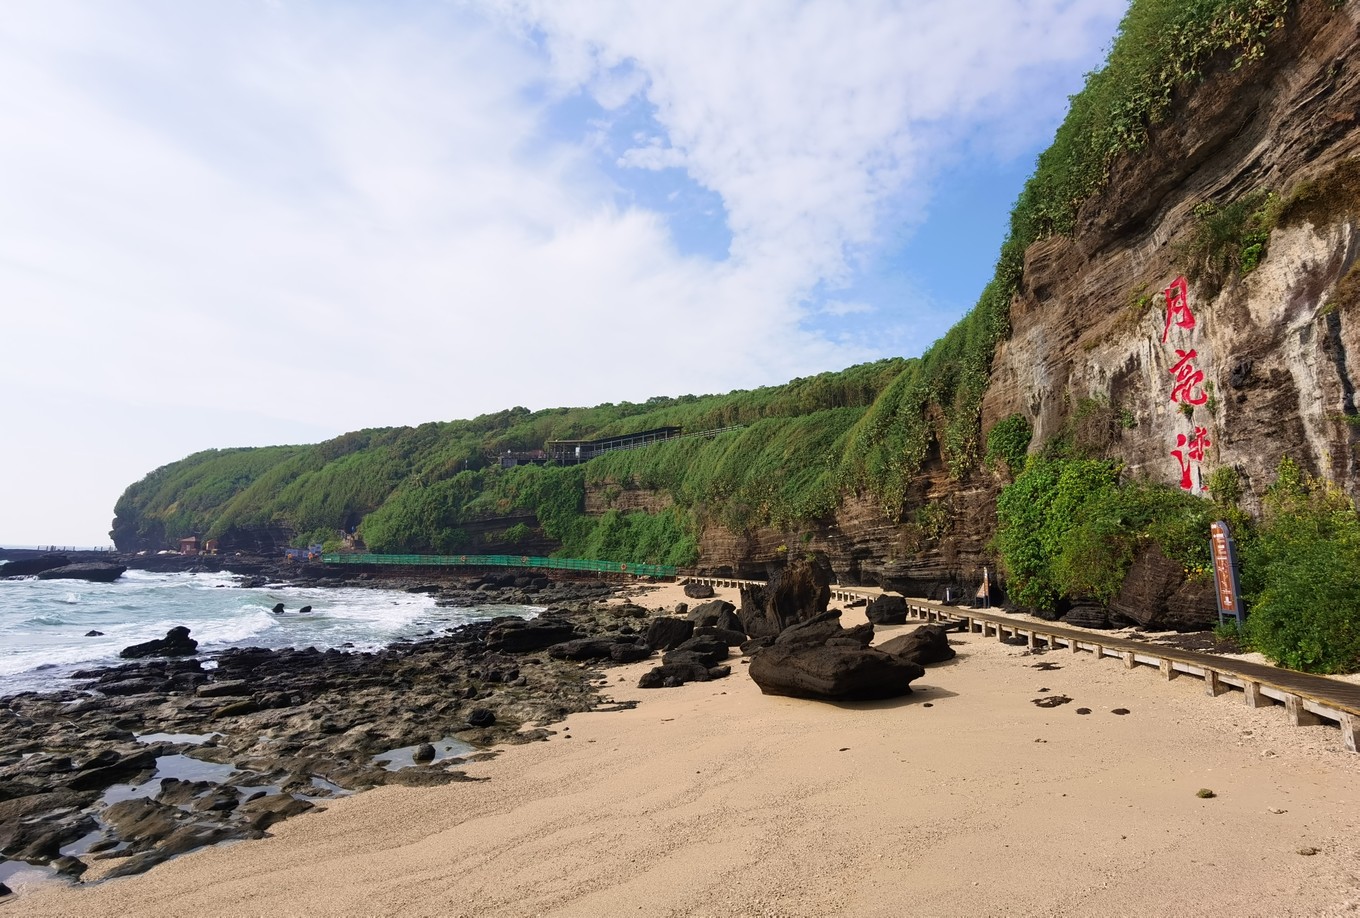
x=712, y=799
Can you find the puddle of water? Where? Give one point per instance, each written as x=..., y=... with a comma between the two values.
x=22, y=878
x=335, y=789
x=404, y=757
x=83, y=844
x=169, y=766
x=191, y=739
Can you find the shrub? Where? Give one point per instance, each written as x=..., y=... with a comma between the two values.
x=1305, y=576
x=1008, y=442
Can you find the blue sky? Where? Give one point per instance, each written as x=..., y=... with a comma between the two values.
x=242, y=223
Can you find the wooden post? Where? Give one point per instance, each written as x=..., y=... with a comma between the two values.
x=1350, y=731
x=1099, y=650
x=1255, y=698
x=1168, y=670
x=1072, y=645
x=1299, y=716
x=1033, y=639
x=1129, y=661
x=1213, y=687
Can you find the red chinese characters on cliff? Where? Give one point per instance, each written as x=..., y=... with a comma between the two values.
x=1191, y=450
x=1187, y=387
x=1188, y=379
x=1177, y=307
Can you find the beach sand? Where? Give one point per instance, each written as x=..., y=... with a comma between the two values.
x=712, y=799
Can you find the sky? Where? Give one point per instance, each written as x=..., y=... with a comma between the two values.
x=248, y=222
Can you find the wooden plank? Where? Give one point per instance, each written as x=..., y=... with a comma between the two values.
x=1350, y=731
x=1255, y=698
x=1168, y=670
x=1129, y=661
x=1298, y=715
x=1213, y=686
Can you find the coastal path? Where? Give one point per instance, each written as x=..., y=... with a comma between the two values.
x=529, y=562
x=1307, y=699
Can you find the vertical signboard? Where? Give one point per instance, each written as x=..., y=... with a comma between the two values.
x=1224, y=553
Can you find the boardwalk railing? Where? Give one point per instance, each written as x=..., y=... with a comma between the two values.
x=1307, y=699
x=518, y=561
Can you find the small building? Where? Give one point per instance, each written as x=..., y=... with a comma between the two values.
x=189, y=545
x=210, y=547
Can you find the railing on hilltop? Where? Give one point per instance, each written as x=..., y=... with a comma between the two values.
x=524, y=561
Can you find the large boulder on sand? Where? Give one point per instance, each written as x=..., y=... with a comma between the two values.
x=698, y=591
x=667, y=633
x=887, y=610
x=823, y=628
x=176, y=643
x=925, y=645
x=834, y=672
x=798, y=592
x=708, y=613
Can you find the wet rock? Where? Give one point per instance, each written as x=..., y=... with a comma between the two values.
x=519, y=636
x=94, y=572
x=111, y=767
x=263, y=812
x=28, y=567
x=176, y=643
x=425, y=752
x=224, y=689
x=481, y=717
x=93, y=633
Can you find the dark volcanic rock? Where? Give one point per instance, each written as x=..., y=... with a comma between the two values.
x=1087, y=614
x=832, y=673
x=707, y=614
x=629, y=652
x=27, y=567
x=798, y=592
x=94, y=572
x=823, y=628
x=176, y=643
x=709, y=650
x=423, y=753
x=666, y=633
x=671, y=675
x=582, y=649
x=887, y=610
x=520, y=636
x=698, y=591
x=926, y=645
x=1151, y=580
x=481, y=717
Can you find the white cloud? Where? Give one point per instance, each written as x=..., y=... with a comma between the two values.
x=843, y=308
x=328, y=216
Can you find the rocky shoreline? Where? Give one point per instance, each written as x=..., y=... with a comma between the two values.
x=138, y=762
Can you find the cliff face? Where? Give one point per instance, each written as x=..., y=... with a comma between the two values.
x=1134, y=335
x=1248, y=373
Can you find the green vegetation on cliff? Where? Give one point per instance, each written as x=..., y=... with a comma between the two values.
x=801, y=447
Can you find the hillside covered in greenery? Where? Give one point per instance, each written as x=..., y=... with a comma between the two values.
x=1069, y=523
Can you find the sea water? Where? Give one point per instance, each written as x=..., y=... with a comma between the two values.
x=44, y=623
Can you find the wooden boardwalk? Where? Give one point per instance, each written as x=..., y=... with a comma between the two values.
x=1307, y=699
